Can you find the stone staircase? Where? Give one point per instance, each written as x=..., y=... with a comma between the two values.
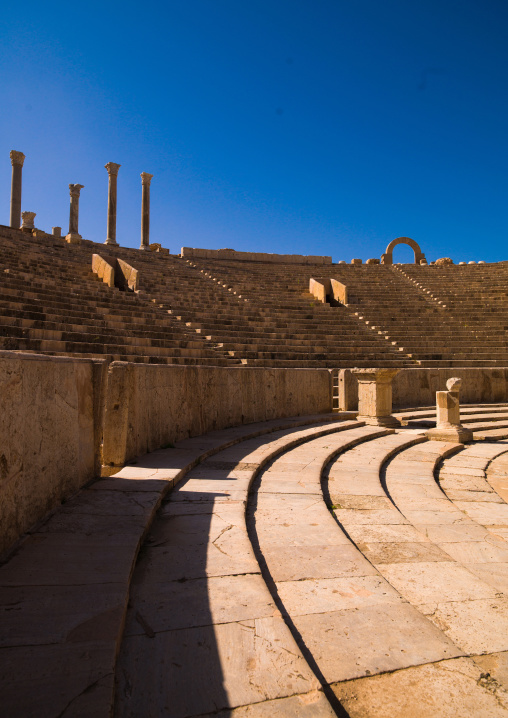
x=228, y=312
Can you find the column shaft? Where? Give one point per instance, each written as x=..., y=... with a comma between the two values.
x=112, y=169
x=17, y=159
x=145, y=210
x=73, y=236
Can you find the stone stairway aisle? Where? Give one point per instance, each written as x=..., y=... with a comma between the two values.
x=383, y=307
x=475, y=295
x=294, y=322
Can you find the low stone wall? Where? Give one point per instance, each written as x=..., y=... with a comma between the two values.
x=189, y=252
x=417, y=387
x=148, y=407
x=50, y=438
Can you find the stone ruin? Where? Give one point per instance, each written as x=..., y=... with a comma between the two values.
x=237, y=483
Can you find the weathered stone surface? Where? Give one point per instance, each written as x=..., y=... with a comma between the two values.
x=477, y=626
x=48, y=430
x=231, y=664
x=446, y=689
x=374, y=639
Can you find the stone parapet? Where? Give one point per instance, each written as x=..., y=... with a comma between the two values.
x=197, y=253
x=49, y=422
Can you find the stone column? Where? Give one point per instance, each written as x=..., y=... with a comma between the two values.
x=17, y=159
x=375, y=396
x=112, y=169
x=28, y=221
x=56, y=231
x=448, y=426
x=74, y=237
x=145, y=210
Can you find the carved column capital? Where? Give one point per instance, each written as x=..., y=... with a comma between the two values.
x=146, y=178
x=17, y=158
x=75, y=189
x=112, y=168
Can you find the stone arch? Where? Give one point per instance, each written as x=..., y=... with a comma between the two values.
x=387, y=257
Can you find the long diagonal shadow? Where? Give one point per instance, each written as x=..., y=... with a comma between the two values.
x=169, y=663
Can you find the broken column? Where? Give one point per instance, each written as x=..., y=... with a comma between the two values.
x=112, y=169
x=145, y=210
x=448, y=426
x=74, y=237
x=375, y=396
x=27, y=224
x=17, y=159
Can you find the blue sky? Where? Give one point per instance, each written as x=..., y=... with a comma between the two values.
x=290, y=126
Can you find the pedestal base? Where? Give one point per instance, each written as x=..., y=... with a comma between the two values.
x=388, y=421
x=450, y=433
x=111, y=241
x=73, y=238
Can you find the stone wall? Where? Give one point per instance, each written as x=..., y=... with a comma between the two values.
x=189, y=252
x=49, y=448
x=417, y=387
x=150, y=406
x=60, y=418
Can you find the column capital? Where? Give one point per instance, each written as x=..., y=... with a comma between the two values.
x=75, y=189
x=112, y=168
x=17, y=158
x=146, y=178
x=380, y=376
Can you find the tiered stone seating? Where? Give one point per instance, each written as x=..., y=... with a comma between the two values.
x=474, y=295
x=261, y=314
x=383, y=306
x=296, y=328
x=381, y=597
x=52, y=303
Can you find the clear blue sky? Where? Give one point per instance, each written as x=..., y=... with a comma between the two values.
x=291, y=126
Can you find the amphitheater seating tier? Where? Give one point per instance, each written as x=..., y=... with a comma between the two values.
x=303, y=567
x=229, y=312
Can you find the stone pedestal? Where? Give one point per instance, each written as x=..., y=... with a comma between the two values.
x=17, y=159
x=375, y=396
x=56, y=231
x=112, y=169
x=73, y=237
x=448, y=426
x=145, y=210
x=27, y=224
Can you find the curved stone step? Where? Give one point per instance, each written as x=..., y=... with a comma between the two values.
x=64, y=591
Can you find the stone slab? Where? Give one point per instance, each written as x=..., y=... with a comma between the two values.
x=374, y=639
x=403, y=552
x=200, y=602
x=335, y=594
x=203, y=670
x=308, y=705
x=479, y=626
x=448, y=689
x=288, y=563
x=435, y=581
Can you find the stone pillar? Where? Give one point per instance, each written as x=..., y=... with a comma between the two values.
x=145, y=210
x=375, y=396
x=17, y=159
x=74, y=237
x=112, y=169
x=448, y=426
x=56, y=231
x=28, y=221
